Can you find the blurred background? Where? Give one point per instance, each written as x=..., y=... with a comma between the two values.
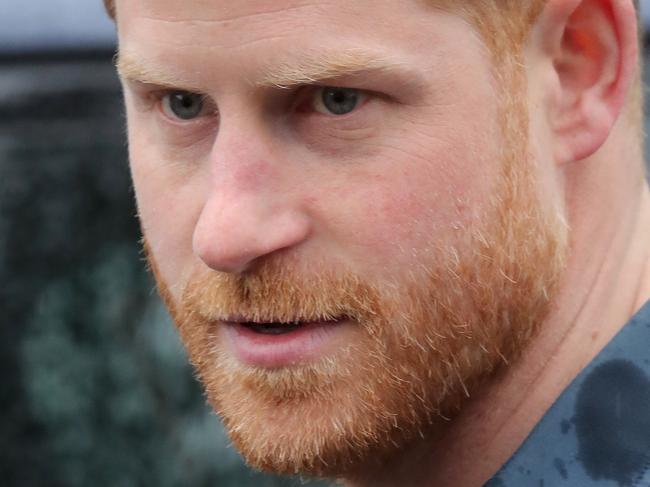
x=96, y=389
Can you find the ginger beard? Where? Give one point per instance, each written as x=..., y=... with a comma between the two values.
x=426, y=339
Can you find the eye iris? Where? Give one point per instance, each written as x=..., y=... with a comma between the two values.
x=340, y=101
x=184, y=105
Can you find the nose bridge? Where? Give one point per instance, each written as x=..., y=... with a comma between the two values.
x=249, y=212
x=241, y=158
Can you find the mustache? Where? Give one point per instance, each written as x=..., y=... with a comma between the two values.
x=277, y=291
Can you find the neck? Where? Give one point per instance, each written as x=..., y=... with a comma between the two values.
x=606, y=281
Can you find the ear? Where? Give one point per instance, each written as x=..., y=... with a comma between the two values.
x=592, y=47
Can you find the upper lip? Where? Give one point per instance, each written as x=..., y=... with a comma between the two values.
x=246, y=319
x=241, y=319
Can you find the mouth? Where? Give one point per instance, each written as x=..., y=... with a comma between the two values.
x=279, y=326
x=280, y=343
x=273, y=328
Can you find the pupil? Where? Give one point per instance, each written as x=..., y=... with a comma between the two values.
x=340, y=101
x=186, y=105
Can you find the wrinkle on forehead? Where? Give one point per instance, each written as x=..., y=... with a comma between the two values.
x=215, y=26
x=216, y=14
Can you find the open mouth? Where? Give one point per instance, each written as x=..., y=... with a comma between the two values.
x=275, y=343
x=274, y=328
x=283, y=327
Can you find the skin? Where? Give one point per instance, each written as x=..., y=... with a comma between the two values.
x=416, y=159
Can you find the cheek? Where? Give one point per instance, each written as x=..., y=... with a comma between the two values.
x=168, y=207
x=429, y=193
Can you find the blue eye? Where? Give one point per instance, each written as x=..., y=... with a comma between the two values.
x=337, y=101
x=183, y=105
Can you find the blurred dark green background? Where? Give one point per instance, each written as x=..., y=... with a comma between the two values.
x=96, y=390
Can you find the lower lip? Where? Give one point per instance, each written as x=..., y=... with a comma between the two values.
x=304, y=344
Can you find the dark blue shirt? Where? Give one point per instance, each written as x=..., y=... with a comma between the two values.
x=598, y=431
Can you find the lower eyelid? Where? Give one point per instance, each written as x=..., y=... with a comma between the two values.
x=354, y=134
x=195, y=124
x=351, y=127
x=184, y=137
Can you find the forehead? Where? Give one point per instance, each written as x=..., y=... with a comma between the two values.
x=234, y=14
x=245, y=34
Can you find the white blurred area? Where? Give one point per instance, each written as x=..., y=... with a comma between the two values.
x=37, y=25
x=54, y=25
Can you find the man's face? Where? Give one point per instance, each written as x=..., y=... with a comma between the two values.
x=349, y=237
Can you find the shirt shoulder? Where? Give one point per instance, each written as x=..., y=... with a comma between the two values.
x=597, y=433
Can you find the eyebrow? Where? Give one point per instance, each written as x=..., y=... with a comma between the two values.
x=130, y=68
x=316, y=68
x=311, y=68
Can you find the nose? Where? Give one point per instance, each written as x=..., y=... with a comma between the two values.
x=250, y=212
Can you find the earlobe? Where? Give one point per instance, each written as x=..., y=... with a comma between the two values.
x=593, y=48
